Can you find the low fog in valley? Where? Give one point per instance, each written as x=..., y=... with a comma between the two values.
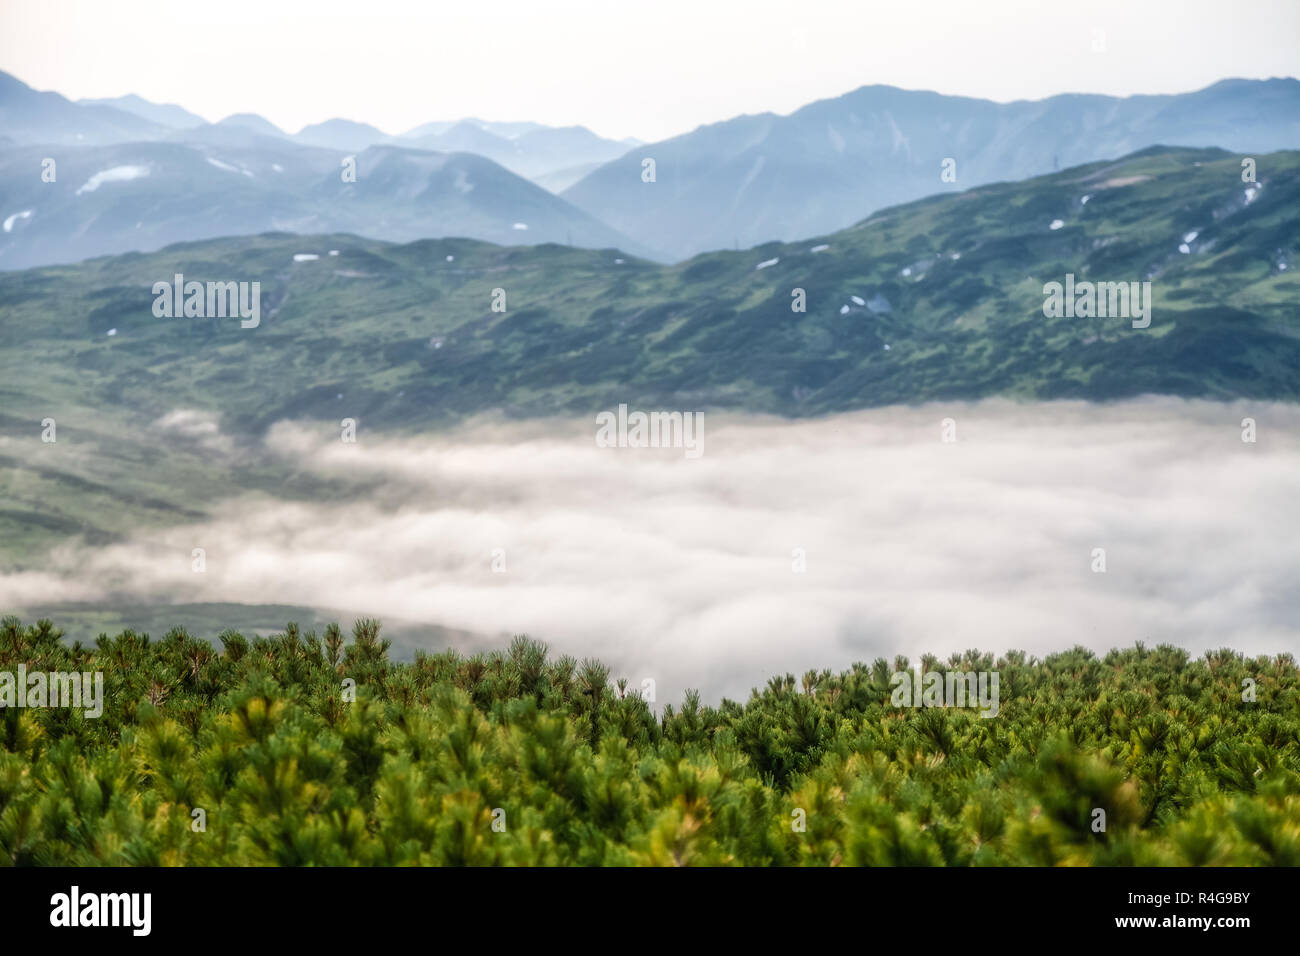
x=683, y=570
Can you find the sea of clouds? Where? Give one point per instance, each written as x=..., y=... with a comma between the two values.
x=682, y=570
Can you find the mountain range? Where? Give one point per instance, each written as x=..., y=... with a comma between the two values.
x=132, y=175
x=559, y=154
x=142, y=196
x=137, y=175
x=554, y=157
x=757, y=178
x=941, y=299
x=28, y=116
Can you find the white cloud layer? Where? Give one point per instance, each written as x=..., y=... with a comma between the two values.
x=681, y=570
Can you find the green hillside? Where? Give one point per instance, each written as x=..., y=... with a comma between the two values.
x=581, y=330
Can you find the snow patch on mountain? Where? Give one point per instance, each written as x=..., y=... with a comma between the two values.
x=10, y=220
x=226, y=166
x=115, y=174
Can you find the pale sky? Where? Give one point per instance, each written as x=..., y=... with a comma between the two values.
x=650, y=69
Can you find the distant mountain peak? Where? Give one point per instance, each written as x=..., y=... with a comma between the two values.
x=341, y=134
x=164, y=114
x=254, y=122
x=755, y=178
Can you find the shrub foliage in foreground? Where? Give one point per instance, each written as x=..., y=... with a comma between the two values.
x=286, y=771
